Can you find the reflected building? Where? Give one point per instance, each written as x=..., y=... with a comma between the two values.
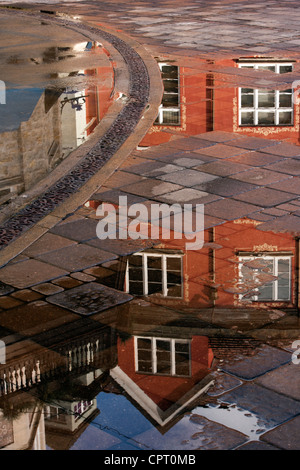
x=68, y=114
x=238, y=266
x=162, y=368
x=50, y=379
x=227, y=95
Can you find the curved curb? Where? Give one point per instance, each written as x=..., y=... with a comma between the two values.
x=118, y=140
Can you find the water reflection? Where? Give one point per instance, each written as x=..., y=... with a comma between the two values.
x=68, y=104
x=145, y=344
x=150, y=367
x=248, y=95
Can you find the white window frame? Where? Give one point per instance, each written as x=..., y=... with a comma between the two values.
x=255, y=108
x=275, y=259
x=163, y=256
x=162, y=108
x=172, y=342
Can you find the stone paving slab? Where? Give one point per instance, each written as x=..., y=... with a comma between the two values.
x=113, y=196
x=266, y=359
x=285, y=224
x=285, y=380
x=121, y=247
x=194, y=432
x=150, y=188
x=122, y=178
x=79, y=230
x=265, y=197
x=47, y=288
x=289, y=167
x=252, y=143
x=189, y=143
x=180, y=157
x=223, y=383
x=188, y=177
x=290, y=185
x=188, y=161
x=29, y=273
x=226, y=187
x=283, y=149
x=285, y=436
x=89, y=298
x=217, y=136
x=229, y=209
x=26, y=295
x=260, y=176
x=223, y=168
x=47, y=242
x=76, y=257
x=256, y=159
x=270, y=408
x=222, y=151
x=188, y=196
x=153, y=168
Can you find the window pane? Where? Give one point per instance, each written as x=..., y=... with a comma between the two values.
x=154, y=275
x=135, y=260
x=174, y=291
x=266, y=118
x=169, y=71
x=154, y=288
x=154, y=262
x=267, y=67
x=163, y=356
x=266, y=99
x=135, y=274
x=144, y=343
x=247, y=91
x=136, y=288
x=174, y=264
x=247, y=101
x=285, y=68
x=283, y=293
x=170, y=100
x=183, y=348
x=265, y=292
x=144, y=347
x=247, y=118
x=285, y=100
x=285, y=117
x=182, y=358
x=170, y=117
x=283, y=266
x=171, y=86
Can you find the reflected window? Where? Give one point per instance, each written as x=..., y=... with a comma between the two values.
x=262, y=107
x=265, y=278
x=169, y=110
x=162, y=356
x=56, y=414
x=154, y=273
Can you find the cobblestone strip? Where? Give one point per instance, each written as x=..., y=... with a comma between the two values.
x=102, y=151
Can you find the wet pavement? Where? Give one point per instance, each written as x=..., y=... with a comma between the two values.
x=115, y=334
